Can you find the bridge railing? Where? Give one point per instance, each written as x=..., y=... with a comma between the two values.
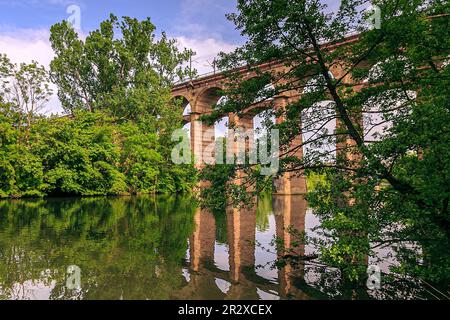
x=199, y=76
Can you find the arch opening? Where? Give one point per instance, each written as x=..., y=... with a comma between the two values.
x=319, y=124
x=316, y=83
x=182, y=101
x=207, y=100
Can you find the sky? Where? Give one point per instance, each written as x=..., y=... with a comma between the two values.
x=197, y=24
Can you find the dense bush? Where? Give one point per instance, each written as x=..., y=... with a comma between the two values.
x=87, y=154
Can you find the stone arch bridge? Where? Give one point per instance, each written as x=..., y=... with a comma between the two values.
x=202, y=94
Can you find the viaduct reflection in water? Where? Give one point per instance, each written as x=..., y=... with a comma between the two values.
x=147, y=248
x=208, y=277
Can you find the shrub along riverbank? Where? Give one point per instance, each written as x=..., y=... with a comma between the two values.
x=85, y=155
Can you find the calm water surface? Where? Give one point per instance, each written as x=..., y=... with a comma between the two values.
x=144, y=248
x=149, y=248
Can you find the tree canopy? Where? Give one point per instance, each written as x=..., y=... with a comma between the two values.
x=123, y=67
x=386, y=88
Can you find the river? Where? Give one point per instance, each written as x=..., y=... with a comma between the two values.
x=150, y=247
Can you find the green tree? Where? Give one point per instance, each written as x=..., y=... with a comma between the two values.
x=27, y=88
x=122, y=67
x=391, y=100
x=126, y=71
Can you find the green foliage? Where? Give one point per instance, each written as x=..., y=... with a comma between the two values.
x=25, y=88
x=394, y=189
x=314, y=180
x=217, y=195
x=87, y=155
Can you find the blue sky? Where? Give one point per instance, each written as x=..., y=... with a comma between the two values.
x=177, y=17
x=197, y=24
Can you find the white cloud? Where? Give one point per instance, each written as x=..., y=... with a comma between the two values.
x=206, y=49
x=26, y=45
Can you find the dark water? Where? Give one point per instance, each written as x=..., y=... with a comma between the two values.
x=149, y=248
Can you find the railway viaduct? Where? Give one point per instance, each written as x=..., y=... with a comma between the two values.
x=202, y=94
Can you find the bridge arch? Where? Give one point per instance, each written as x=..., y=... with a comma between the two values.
x=206, y=99
x=206, y=93
x=184, y=100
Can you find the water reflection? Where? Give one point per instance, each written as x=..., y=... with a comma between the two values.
x=152, y=248
x=240, y=269
x=145, y=248
x=127, y=248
